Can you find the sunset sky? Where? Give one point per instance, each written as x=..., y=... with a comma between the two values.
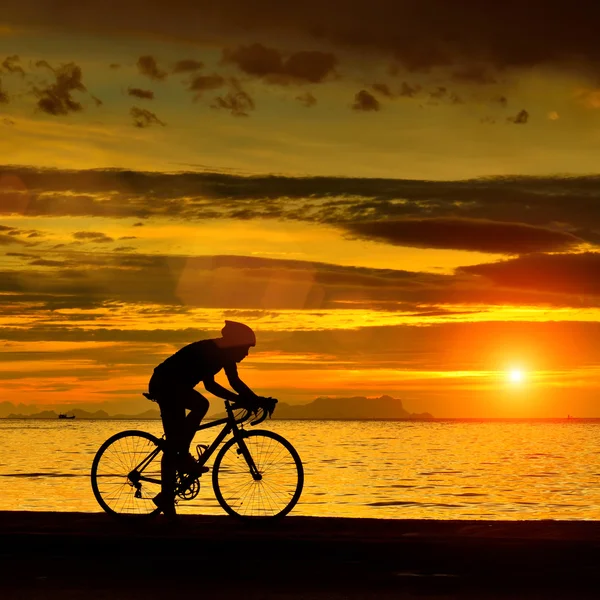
x=400, y=197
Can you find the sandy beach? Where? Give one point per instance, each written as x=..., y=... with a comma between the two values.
x=90, y=555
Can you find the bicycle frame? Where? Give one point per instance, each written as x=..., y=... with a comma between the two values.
x=230, y=426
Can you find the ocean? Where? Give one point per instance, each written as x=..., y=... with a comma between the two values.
x=443, y=469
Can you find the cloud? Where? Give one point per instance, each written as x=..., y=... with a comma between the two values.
x=565, y=204
x=306, y=99
x=365, y=102
x=144, y=118
x=114, y=66
x=465, y=234
x=237, y=101
x=187, y=65
x=3, y=95
x=202, y=83
x=417, y=35
x=269, y=63
x=383, y=89
x=92, y=236
x=501, y=100
x=521, y=118
x=56, y=99
x=139, y=93
x=560, y=273
x=409, y=91
x=148, y=66
x=9, y=64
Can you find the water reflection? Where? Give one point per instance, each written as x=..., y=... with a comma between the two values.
x=438, y=470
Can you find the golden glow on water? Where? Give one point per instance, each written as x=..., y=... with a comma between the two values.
x=434, y=470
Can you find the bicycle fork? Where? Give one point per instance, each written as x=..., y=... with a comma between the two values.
x=243, y=450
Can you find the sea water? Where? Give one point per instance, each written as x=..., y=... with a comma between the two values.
x=443, y=469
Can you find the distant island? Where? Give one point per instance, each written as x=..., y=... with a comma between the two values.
x=354, y=408
x=84, y=414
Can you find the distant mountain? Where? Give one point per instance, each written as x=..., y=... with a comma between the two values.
x=354, y=408
x=357, y=407
x=84, y=414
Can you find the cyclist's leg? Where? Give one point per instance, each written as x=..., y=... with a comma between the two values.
x=172, y=413
x=198, y=405
x=173, y=417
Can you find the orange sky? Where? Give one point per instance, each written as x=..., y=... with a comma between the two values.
x=397, y=204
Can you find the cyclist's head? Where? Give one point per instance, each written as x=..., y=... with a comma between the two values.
x=237, y=335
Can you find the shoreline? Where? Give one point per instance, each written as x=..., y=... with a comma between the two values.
x=66, y=549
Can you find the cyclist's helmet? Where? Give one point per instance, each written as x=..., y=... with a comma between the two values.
x=238, y=334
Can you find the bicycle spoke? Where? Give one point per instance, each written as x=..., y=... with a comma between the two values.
x=279, y=481
x=115, y=461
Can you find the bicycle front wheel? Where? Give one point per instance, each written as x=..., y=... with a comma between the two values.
x=126, y=473
x=269, y=488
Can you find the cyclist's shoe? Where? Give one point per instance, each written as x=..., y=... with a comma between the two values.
x=167, y=508
x=188, y=464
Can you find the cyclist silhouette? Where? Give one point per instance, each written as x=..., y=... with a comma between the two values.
x=172, y=386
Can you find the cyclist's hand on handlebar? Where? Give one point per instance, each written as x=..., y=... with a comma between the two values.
x=254, y=403
x=268, y=405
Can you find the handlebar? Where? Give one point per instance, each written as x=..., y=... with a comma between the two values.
x=263, y=408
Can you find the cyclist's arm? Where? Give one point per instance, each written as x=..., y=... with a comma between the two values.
x=237, y=384
x=218, y=390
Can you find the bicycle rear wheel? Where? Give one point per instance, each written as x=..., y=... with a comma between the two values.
x=277, y=485
x=126, y=473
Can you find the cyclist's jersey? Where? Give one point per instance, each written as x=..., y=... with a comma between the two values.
x=192, y=364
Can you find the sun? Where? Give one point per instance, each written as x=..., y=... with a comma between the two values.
x=516, y=376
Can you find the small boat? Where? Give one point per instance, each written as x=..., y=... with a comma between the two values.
x=65, y=416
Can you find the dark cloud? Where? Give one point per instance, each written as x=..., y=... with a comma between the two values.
x=114, y=66
x=383, y=89
x=187, y=65
x=148, y=66
x=501, y=100
x=306, y=99
x=365, y=102
x=202, y=83
x=3, y=95
x=92, y=236
x=465, y=234
x=44, y=262
x=9, y=65
x=144, y=118
x=237, y=102
x=56, y=99
x=269, y=63
x=568, y=204
x=521, y=118
x=409, y=91
x=162, y=285
x=139, y=93
x=577, y=274
x=438, y=93
x=416, y=35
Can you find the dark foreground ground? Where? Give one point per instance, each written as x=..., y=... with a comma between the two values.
x=91, y=556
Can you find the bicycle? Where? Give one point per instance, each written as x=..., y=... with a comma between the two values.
x=256, y=474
